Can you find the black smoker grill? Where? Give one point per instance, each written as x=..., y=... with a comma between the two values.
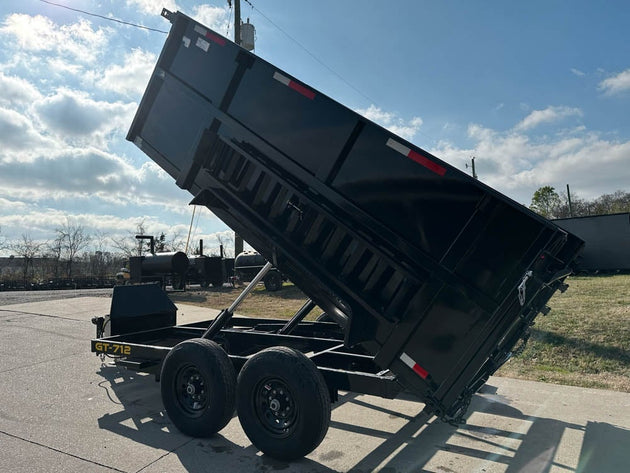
x=430, y=276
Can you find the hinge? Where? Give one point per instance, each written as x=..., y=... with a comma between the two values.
x=168, y=15
x=521, y=287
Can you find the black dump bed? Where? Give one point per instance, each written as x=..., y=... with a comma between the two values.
x=432, y=272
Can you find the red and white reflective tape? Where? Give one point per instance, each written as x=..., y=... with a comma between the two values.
x=419, y=370
x=417, y=157
x=308, y=93
x=210, y=35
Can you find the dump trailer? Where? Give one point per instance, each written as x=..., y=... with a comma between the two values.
x=429, y=276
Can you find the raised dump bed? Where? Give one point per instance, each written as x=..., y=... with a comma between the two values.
x=430, y=276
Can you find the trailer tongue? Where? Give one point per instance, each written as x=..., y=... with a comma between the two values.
x=430, y=276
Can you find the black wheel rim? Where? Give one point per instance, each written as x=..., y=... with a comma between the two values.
x=191, y=391
x=275, y=407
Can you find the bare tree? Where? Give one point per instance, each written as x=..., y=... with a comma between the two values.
x=172, y=242
x=101, y=258
x=55, y=248
x=128, y=245
x=27, y=249
x=73, y=240
x=226, y=239
x=3, y=241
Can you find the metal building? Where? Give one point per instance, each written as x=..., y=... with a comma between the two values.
x=607, y=240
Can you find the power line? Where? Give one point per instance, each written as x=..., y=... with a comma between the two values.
x=323, y=63
x=310, y=53
x=104, y=17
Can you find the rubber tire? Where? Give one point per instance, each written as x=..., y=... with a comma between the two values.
x=273, y=281
x=204, y=283
x=310, y=395
x=216, y=368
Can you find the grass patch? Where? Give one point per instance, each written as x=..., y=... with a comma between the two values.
x=584, y=341
x=260, y=303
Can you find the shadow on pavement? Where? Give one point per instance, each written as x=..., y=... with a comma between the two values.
x=141, y=419
x=603, y=447
x=411, y=448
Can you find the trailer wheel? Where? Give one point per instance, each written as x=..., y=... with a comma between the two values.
x=273, y=281
x=204, y=283
x=198, y=384
x=283, y=403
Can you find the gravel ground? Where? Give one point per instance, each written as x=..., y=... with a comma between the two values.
x=22, y=297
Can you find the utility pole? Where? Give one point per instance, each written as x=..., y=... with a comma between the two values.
x=238, y=240
x=237, y=22
x=569, y=198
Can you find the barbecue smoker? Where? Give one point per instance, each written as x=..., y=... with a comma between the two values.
x=167, y=267
x=249, y=263
x=431, y=277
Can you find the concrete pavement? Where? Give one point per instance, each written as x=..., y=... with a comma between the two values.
x=62, y=410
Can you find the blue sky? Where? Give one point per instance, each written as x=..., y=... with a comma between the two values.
x=537, y=91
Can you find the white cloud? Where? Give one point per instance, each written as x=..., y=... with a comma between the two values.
x=151, y=7
x=577, y=72
x=73, y=114
x=212, y=16
x=517, y=164
x=616, y=84
x=90, y=175
x=42, y=221
x=72, y=170
x=18, y=137
x=63, y=67
x=17, y=91
x=131, y=77
x=39, y=34
x=548, y=115
x=406, y=129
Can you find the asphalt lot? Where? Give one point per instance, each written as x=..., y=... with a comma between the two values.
x=61, y=409
x=22, y=297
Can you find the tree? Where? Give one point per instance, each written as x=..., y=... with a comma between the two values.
x=73, y=239
x=55, y=248
x=101, y=259
x=549, y=204
x=546, y=202
x=616, y=202
x=226, y=239
x=128, y=245
x=27, y=249
x=3, y=241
